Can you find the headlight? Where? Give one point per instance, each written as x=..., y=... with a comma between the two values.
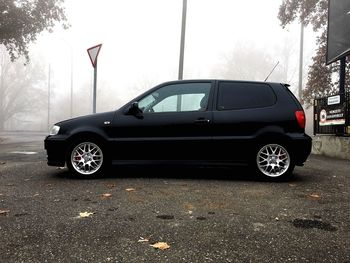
x=54, y=130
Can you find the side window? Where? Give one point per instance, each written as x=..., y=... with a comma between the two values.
x=240, y=95
x=177, y=98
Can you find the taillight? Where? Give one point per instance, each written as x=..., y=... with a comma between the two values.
x=300, y=115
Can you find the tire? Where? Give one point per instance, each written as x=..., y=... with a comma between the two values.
x=273, y=161
x=86, y=158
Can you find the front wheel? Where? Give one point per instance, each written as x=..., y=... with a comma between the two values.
x=85, y=158
x=273, y=161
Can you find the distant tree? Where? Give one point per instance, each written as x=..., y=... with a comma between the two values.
x=22, y=20
x=20, y=88
x=246, y=62
x=314, y=12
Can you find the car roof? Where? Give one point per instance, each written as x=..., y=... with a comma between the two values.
x=211, y=80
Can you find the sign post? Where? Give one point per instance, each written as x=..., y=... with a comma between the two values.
x=93, y=54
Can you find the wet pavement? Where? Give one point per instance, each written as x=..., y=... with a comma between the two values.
x=204, y=214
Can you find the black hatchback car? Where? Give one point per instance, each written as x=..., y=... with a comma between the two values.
x=207, y=122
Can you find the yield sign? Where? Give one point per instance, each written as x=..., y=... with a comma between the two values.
x=93, y=54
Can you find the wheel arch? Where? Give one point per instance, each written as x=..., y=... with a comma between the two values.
x=272, y=134
x=87, y=134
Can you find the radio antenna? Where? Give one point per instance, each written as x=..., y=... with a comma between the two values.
x=272, y=71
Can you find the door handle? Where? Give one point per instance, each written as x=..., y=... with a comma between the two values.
x=202, y=120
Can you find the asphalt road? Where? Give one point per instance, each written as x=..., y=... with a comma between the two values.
x=203, y=214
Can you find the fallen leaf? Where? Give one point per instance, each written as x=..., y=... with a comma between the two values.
x=111, y=185
x=315, y=196
x=4, y=212
x=160, y=245
x=130, y=189
x=106, y=195
x=143, y=240
x=85, y=214
x=36, y=195
x=188, y=206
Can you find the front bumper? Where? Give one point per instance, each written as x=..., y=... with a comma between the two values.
x=56, y=148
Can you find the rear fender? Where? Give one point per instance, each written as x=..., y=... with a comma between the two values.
x=272, y=134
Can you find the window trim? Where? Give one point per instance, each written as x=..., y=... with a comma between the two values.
x=242, y=82
x=210, y=99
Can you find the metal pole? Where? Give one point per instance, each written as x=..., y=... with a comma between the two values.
x=95, y=87
x=48, y=97
x=342, y=75
x=301, y=56
x=182, y=43
x=71, y=83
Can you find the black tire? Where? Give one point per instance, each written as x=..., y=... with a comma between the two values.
x=273, y=161
x=87, y=158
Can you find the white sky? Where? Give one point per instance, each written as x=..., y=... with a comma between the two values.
x=141, y=41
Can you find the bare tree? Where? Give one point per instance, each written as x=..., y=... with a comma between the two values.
x=248, y=63
x=21, y=87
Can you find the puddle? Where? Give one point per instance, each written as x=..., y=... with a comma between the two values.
x=21, y=214
x=166, y=217
x=307, y=223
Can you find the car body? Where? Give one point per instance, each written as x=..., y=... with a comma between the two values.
x=215, y=122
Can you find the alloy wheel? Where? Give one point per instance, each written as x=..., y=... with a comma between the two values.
x=273, y=160
x=87, y=158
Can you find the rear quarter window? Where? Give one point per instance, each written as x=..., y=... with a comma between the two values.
x=240, y=95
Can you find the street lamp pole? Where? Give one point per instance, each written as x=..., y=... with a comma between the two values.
x=48, y=97
x=182, y=43
x=71, y=83
x=301, y=56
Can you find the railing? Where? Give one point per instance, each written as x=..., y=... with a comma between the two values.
x=332, y=115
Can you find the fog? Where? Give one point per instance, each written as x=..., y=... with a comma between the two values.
x=231, y=39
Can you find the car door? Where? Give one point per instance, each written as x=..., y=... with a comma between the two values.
x=174, y=123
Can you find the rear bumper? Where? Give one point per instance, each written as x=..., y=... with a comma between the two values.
x=56, y=148
x=300, y=148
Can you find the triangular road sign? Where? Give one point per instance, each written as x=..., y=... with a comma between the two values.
x=93, y=54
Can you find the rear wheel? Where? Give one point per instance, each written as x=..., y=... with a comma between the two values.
x=273, y=161
x=86, y=158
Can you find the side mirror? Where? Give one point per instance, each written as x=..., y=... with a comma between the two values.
x=135, y=110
